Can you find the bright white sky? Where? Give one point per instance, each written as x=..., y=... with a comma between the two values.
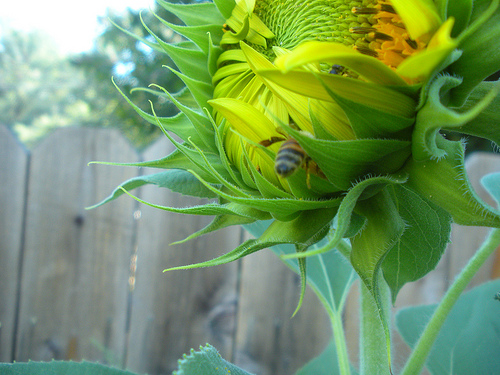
x=73, y=24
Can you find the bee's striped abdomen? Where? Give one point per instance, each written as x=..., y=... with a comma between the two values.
x=289, y=158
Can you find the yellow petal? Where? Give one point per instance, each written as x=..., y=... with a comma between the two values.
x=371, y=69
x=421, y=65
x=296, y=104
x=420, y=17
x=245, y=118
x=375, y=96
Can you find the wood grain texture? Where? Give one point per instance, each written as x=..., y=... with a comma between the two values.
x=92, y=284
x=76, y=262
x=179, y=310
x=13, y=164
x=268, y=340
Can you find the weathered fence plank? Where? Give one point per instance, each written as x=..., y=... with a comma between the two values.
x=92, y=285
x=465, y=241
x=75, y=268
x=13, y=163
x=176, y=311
x=268, y=340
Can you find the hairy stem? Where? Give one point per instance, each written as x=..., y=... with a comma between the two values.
x=419, y=355
x=340, y=343
x=374, y=345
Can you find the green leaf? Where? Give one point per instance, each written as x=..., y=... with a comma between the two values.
x=444, y=182
x=192, y=63
x=422, y=244
x=176, y=180
x=222, y=221
x=180, y=124
x=469, y=341
x=200, y=123
x=201, y=91
x=282, y=209
x=187, y=160
x=347, y=219
x=207, y=361
x=59, y=368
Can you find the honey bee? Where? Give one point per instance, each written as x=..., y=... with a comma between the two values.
x=289, y=158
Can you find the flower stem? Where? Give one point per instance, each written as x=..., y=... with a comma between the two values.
x=374, y=351
x=419, y=355
x=340, y=343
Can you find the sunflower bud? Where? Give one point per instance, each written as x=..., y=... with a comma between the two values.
x=310, y=111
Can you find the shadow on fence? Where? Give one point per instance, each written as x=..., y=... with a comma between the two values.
x=78, y=284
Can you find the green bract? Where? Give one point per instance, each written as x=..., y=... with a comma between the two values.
x=364, y=87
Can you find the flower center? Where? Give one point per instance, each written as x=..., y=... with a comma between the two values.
x=372, y=27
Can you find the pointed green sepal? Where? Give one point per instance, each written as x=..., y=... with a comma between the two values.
x=194, y=14
x=344, y=162
x=345, y=216
x=176, y=180
x=444, y=182
x=434, y=115
x=308, y=228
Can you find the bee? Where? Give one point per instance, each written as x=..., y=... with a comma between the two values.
x=289, y=158
x=337, y=69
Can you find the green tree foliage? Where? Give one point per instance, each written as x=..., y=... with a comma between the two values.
x=41, y=90
x=38, y=87
x=133, y=65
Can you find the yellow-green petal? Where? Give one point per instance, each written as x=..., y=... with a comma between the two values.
x=420, y=17
x=423, y=64
x=371, y=69
x=311, y=85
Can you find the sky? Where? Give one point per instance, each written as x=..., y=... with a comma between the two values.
x=77, y=19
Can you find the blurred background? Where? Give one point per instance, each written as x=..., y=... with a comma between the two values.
x=78, y=284
x=57, y=60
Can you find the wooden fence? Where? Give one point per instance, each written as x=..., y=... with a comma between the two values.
x=78, y=284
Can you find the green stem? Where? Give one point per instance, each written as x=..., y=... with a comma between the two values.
x=335, y=315
x=374, y=345
x=419, y=355
x=340, y=343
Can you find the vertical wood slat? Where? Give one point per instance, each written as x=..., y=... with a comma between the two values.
x=75, y=271
x=76, y=266
x=179, y=310
x=13, y=164
x=268, y=340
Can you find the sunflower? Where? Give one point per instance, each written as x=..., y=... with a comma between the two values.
x=360, y=91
